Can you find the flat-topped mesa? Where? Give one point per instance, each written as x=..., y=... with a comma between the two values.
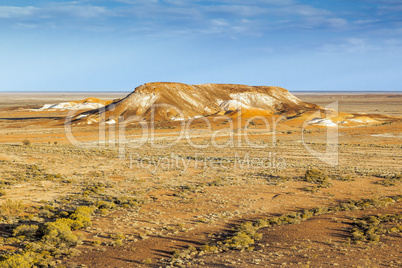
x=177, y=101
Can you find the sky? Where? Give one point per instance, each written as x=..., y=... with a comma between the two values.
x=106, y=45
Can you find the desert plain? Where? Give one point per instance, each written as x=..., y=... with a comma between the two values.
x=230, y=192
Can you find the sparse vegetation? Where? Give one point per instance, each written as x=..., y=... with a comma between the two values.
x=371, y=228
x=244, y=235
x=343, y=178
x=390, y=180
x=318, y=177
x=96, y=243
x=26, y=142
x=11, y=209
x=45, y=240
x=276, y=180
x=208, y=202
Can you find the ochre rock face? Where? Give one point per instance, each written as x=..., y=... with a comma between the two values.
x=177, y=101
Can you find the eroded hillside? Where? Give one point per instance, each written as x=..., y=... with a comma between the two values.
x=177, y=101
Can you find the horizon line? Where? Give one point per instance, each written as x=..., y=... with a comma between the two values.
x=129, y=91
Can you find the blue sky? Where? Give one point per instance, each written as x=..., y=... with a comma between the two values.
x=117, y=45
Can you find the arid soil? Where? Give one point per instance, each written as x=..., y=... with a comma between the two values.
x=191, y=192
x=373, y=103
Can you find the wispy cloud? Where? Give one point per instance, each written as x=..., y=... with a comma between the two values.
x=10, y=12
x=52, y=10
x=238, y=17
x=214, y=17
x=353, y=45
x=390, y=6
x=74, y=10
x=25, y=26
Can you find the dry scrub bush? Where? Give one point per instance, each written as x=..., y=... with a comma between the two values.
x=318, y=177
x=26, y=142
x=244, y=235
x=28, y=231
x=45, y=241
x=11, y=209
x=96, y=243
x=371, y=228
x=105, y=205
x=390, y=180
x=59, y=232
x=19, y=260
x=81, y=217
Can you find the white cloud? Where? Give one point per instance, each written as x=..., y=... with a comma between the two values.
x=9, y=12
x=137, y=2
x=73, y=10
x=235, y=10
x=304, y=10
x=25, y=26
x=366, y=21
x=392, y=7
x=352, y=45
x=337, y=22
x=220, y=22
x=54, y=10
x=230, y=17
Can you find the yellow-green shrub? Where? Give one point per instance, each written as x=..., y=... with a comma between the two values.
x=11, y=208
x=28, y=231
x=105, y=205
x=25, y=260
x=81, y=218
x=58, y=232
